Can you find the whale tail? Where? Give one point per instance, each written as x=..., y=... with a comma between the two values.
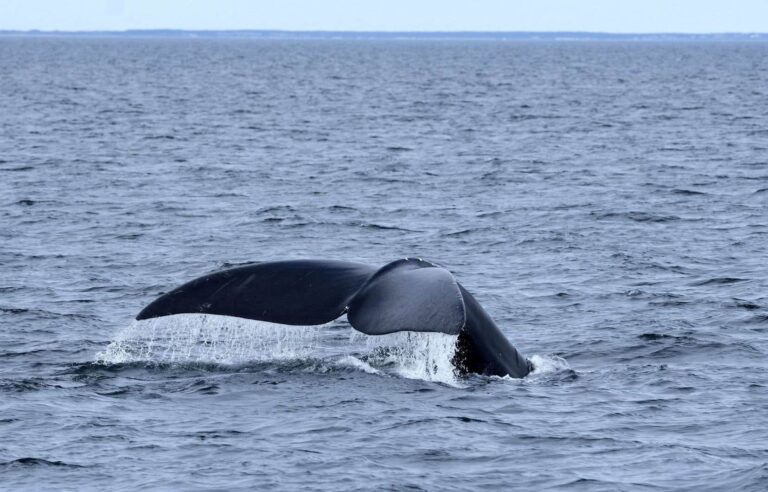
x=405, y=295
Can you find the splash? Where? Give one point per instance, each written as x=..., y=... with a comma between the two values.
x=416, y=355
x=197, y=338
x=203, y=338
x=355, y=363
x=548, y=364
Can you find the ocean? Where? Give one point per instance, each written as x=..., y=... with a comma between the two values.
x=605, y=201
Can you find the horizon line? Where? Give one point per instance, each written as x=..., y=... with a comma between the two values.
x=380, y=31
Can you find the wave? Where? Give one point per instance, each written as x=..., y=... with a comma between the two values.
x=37, y=462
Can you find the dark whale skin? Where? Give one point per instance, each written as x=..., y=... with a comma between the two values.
x=410, y=294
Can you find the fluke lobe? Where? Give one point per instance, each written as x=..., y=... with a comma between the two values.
x=406, y=295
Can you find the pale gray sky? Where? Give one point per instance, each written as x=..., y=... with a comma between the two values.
x=619, y=16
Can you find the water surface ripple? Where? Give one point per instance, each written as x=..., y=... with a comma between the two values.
x=606, y=202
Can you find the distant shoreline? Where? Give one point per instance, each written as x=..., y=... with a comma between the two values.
x=395, y=35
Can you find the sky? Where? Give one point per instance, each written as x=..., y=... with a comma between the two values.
x=615, y=16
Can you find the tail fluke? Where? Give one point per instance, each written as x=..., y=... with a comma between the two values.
x=405, y=295
x=300, y=292
x=408, y=295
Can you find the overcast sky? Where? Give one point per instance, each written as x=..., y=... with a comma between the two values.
x=619, y=16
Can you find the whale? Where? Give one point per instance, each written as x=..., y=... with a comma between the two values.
x=409, y=294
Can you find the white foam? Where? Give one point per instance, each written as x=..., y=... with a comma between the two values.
x=548, y=364
x=355, y=363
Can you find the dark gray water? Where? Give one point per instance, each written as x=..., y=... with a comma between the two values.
x=606, y=203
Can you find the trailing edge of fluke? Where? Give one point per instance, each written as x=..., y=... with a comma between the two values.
x=406, y=295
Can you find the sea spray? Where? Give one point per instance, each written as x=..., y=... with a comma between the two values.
x=416, y=355
x=226, y=340
x=203, y=338
x=548, y=364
